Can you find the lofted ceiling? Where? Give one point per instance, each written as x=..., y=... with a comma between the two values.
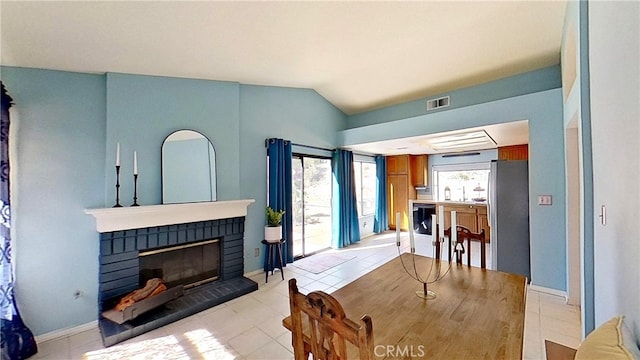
x=359, y=55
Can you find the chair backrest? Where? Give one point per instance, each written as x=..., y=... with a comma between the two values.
x=463, y=233
x=320, y=327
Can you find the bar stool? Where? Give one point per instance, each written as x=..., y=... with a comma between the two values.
x=270, y=253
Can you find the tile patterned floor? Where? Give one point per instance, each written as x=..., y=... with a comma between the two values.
x=250, y=327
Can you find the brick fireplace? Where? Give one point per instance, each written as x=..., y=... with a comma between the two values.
x=160, y=228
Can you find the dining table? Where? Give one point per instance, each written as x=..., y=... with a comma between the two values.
x=476, y=313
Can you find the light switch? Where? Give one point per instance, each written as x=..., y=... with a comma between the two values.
x=544, y=200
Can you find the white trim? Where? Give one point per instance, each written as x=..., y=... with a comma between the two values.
x=254, y=273
x=549, y=291
x=70, y=331
x=135, y=217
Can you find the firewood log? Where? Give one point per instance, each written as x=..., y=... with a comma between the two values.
x=152, y=287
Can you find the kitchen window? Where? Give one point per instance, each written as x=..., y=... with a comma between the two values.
x=461, y=182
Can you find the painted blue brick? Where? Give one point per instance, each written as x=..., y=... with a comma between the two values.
x=118, y=245
x=142, y=242
x=105, y=248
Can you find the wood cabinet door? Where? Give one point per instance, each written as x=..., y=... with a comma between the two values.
x=398, y=190
x=398, y=164
x=483, y=223
x=419, y=170
x=465, y=216
x=468, y=220
x=514, y=152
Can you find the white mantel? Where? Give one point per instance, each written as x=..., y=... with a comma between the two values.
x=135, y=217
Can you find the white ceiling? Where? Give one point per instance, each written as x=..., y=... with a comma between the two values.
x=359, y=55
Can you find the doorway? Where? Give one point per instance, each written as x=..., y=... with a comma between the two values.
x=311, y=179
x=574, y=210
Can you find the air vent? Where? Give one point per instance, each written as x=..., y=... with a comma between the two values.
x=461, y=154
x=438, y=103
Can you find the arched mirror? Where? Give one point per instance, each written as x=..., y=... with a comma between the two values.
x=188, y=168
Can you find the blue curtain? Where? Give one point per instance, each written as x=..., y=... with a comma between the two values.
x=279, y=195
x=346, y=229
x=17, y=340
x=381, y=220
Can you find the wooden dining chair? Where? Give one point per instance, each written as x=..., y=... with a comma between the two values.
x=459, y=247
x=320, y=327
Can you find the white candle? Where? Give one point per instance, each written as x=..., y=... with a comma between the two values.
x=135, y=163
x=441, y=222
x=412, y=243
x=398, y=228
x=454, y=231
x=434, y=226
x=118, y=154
x=411, y=239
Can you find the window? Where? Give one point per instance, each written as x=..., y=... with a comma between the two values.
x=462, y=182
x=365, y=178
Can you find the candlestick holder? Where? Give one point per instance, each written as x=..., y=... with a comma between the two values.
x=135, y=190
x=117, y=187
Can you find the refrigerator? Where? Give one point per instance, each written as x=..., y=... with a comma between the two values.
x=508, y=211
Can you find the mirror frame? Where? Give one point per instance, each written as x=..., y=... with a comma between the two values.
x=213, y=172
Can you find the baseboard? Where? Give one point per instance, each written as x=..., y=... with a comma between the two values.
x=56, y=334
x=549, y=291
x=254, y=272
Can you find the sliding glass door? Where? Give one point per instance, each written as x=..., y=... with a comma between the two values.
x=311, y=178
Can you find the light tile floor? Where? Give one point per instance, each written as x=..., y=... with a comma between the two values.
x=250, y=327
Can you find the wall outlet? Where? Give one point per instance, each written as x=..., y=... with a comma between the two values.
x=256, y=252
x=544, y=199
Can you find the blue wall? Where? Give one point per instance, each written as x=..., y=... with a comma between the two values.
x=59, y=171
x=543, y=109
x=68, y=127
x=143, y=110
x=299, y=115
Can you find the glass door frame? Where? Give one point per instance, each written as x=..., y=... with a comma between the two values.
x=301, y=157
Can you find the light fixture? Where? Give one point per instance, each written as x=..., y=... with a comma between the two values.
x=471, y=139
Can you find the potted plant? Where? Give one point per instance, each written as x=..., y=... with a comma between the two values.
x=273, y=229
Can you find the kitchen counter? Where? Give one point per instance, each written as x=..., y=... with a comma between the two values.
x=470, y=214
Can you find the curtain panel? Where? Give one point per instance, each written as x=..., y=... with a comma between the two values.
x=346, y=228
x=279, y=193
x=381, y=219
x=17, y=340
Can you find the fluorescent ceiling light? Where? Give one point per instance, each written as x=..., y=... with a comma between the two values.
x=462, y=140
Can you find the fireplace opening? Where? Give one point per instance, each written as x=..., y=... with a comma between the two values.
x=189, y=264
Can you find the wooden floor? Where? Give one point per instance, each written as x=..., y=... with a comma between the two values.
x=480, y=313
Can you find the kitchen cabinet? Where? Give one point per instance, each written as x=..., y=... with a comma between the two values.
x=398, y=164
x=398, y=192
x=514, y=152
x=471, y=216
x=419, y=170
x=483, y=221
x=404, y=173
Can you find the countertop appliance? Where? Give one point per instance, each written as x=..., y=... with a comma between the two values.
x=508, y=210
x=422, y=217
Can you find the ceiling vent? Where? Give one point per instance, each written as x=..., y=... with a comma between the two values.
x=438, y=103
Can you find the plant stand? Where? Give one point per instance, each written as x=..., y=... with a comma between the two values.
x=270, y=252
